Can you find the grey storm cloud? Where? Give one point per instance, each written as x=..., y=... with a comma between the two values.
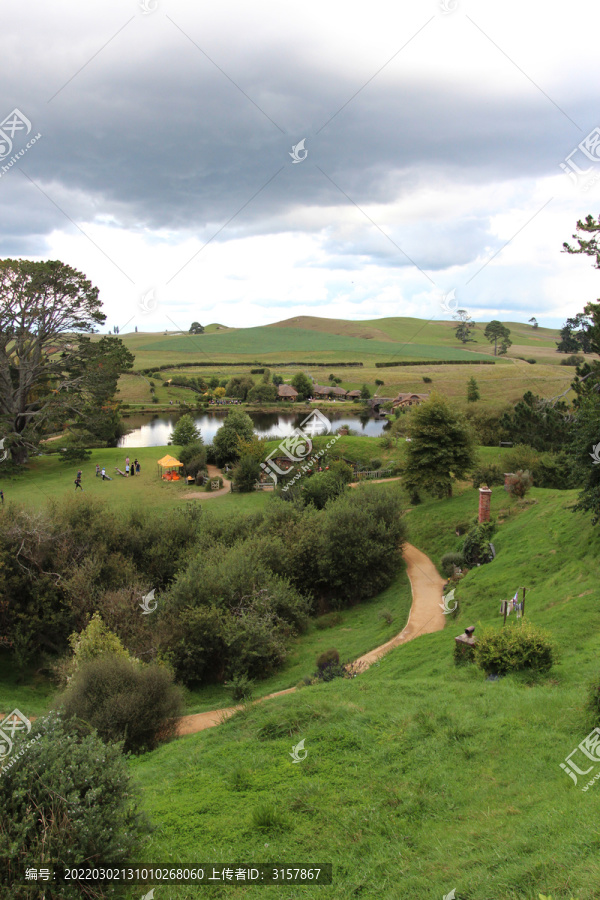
x=155, y=136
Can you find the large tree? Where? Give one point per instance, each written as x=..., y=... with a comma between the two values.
x=51, y=373
x=303, y=385
x=495, y=331
x=238, y=427
x=538, y=423
x=463, y=331
x=441, y=449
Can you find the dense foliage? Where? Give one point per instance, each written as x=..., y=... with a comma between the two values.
x=67, y=799
x=514, y=648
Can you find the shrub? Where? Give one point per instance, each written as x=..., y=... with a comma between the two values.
x=519, y=483
x=573, y=360
x=185, y=432
x=246, y=473
x=427, y=379
x=476, y=545
x=375, y=463
x=490, y=474
x=463, y=654
x=75, y=455
x=155, y=399
x=449, y=560
x=196, y=645
x=85, y=808
x=531, y=361
x=328, y=658
x=514, y=648
x=124, y=701
x=241, y=688
x=387, y=616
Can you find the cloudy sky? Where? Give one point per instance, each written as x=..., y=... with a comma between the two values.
x=436, y=141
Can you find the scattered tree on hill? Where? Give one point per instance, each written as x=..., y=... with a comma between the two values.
x=379, y=382
x=303, y=385
x=365, y=393
x=496, y=332
x=277, y=380
x=442, y=448
x=472, y=390
x=534, y=321
x=196, y=328
x=185, y=432
x=237, y=427
x=213, y=383
x=50, y=373
x=463, y=331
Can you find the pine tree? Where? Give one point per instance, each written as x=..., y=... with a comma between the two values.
x=472, y=390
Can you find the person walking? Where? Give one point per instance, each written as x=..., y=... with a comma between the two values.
x=126, y=461
x=97, y=470
x=78, y=482
x=103, y=473
x=127, y=468
x=2, y=497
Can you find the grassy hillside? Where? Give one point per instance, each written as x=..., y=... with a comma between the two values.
x=420, y=777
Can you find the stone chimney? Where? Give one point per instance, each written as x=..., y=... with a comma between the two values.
x=485, y=499
x=507, y=475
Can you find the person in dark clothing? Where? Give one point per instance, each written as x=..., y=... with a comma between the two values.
x=78, y=481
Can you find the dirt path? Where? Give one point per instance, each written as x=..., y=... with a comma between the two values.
x=213, y=472
x=425, y=617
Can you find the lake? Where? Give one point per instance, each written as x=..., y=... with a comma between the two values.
x=155, y=430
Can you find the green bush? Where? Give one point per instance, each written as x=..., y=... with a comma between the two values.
x=514, y=648
x=328, y=658
x=387, y=616
x=427, y=379
x=376, y=463
x=519, y=483
x=463, y=654
x=241, y=688
x=267, y=817
x=124, y=701
x=85, y=809
x=476, y=545
x=246, y=473
x=449, y=560
x=489, y=475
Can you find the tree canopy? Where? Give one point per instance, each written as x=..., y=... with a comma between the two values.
x=196, y=328
x=237, y=427
x=496, y=332
x=185, y=432
x=441, y=449
x=51, y=373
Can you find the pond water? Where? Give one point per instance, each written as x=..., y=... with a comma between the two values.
x=155, y=430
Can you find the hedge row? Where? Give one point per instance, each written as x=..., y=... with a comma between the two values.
x=206, y=365
x=438, y=362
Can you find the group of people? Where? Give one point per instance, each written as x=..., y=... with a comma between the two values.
x=224, y=402
x=133, y=468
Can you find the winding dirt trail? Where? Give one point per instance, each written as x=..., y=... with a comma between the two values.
x=425, y=617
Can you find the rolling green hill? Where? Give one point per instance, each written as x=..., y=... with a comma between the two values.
x=421, y=778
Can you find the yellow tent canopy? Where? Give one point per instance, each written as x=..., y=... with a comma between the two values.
x=168, y=461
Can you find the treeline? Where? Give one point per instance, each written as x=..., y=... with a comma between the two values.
x=437, y=362
x=230, y=592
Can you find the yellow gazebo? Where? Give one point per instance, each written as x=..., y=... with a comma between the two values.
x=170, y=464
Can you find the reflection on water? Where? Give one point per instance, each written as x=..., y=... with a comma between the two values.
x=155, y=430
